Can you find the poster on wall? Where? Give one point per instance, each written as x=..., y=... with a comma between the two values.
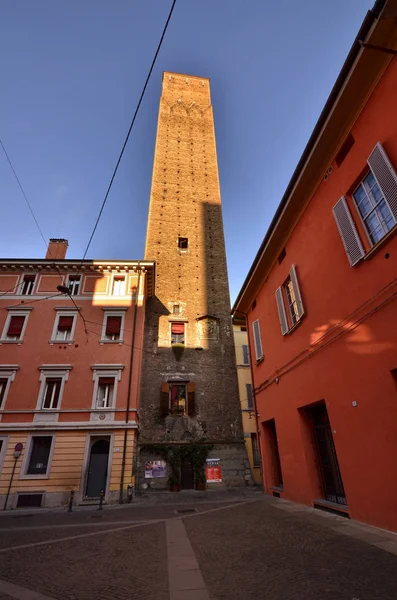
x=155, y=468
x=213, y=470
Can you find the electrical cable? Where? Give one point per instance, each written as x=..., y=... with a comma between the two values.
x=81, y=315
x=27, y=304
x=129, y=132
x=115, y=169
x=23, y=192
x=10, y=290
x=29, y=205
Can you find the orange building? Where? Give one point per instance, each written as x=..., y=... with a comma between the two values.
x=321, y=299
x=69, y=376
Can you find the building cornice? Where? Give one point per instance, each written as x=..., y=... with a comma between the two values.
x=87, y=267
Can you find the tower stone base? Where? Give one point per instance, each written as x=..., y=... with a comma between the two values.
x=234, y=468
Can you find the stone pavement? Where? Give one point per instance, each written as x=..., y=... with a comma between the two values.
x=237, y=549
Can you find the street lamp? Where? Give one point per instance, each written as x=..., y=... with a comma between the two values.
x=63, y=289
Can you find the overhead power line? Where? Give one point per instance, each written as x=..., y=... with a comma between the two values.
x=129, y=130
x=23, y=192
x=28, y=204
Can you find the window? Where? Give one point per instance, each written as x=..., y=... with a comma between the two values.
x=15, y=325
x=246, y=358
x=177, y=333
x=177, y=398
x=113, y=328
x=64, y=326
x=3, y=387
x=64, y=329
x=39, y=457
x=243, y=329
x=15, y=328
x=175, y=309
x=376, y=202
x=118, y=288
x=104, y=398
x=250, y=404
x=373, y=208
x=74, y=284
x=256, y=328
x=53, y=379
x=255, y=450
x=27, y=285
x=106, y=378
x=291, y=301
x=52, y=392
x=183, y=243
x=7, y=376
x=290, y=294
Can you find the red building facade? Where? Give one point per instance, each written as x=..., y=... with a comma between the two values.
x=70, y=367
x=321, y=300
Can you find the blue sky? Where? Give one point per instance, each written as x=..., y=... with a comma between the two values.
x=72, y=73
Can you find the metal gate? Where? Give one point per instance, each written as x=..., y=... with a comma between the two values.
x=331, y=476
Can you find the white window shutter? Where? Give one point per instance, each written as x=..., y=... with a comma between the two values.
x=385, y=175
x=281, y=311
x=348, y=232
x=257, y=339
x=297, y=292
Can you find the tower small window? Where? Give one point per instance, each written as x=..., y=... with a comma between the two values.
x=178, y=399
x=177, y=333
x=176, y=309
x=183, y=243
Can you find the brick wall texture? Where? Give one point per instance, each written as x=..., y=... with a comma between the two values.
x=185, y=202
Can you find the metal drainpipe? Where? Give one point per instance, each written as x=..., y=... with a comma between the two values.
x=258, y=430
x=127, y=414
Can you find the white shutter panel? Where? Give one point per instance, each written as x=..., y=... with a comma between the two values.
x=297, y=292
x=281, y=311
x=385, y=175
x=257, y=339
x=348, y=232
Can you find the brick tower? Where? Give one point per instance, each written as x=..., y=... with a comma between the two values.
x=189, y=393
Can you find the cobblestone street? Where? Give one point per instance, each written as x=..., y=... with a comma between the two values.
x=237, y=548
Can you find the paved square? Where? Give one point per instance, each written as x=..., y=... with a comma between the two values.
x=245, y=550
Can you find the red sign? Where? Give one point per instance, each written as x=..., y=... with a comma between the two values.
x=213, y=470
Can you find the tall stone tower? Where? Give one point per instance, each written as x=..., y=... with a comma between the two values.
x=189, y=395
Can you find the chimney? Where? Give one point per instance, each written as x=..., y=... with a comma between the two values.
x=56, y=249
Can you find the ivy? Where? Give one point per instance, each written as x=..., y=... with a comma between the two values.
x=173, y=454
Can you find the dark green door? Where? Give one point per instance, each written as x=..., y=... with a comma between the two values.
x=187, y=475
x=98, y=469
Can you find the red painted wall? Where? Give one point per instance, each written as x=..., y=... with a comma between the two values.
x=35, y=350
x=355, y=367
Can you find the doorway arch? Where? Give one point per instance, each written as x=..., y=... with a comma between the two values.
x=97, y=468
